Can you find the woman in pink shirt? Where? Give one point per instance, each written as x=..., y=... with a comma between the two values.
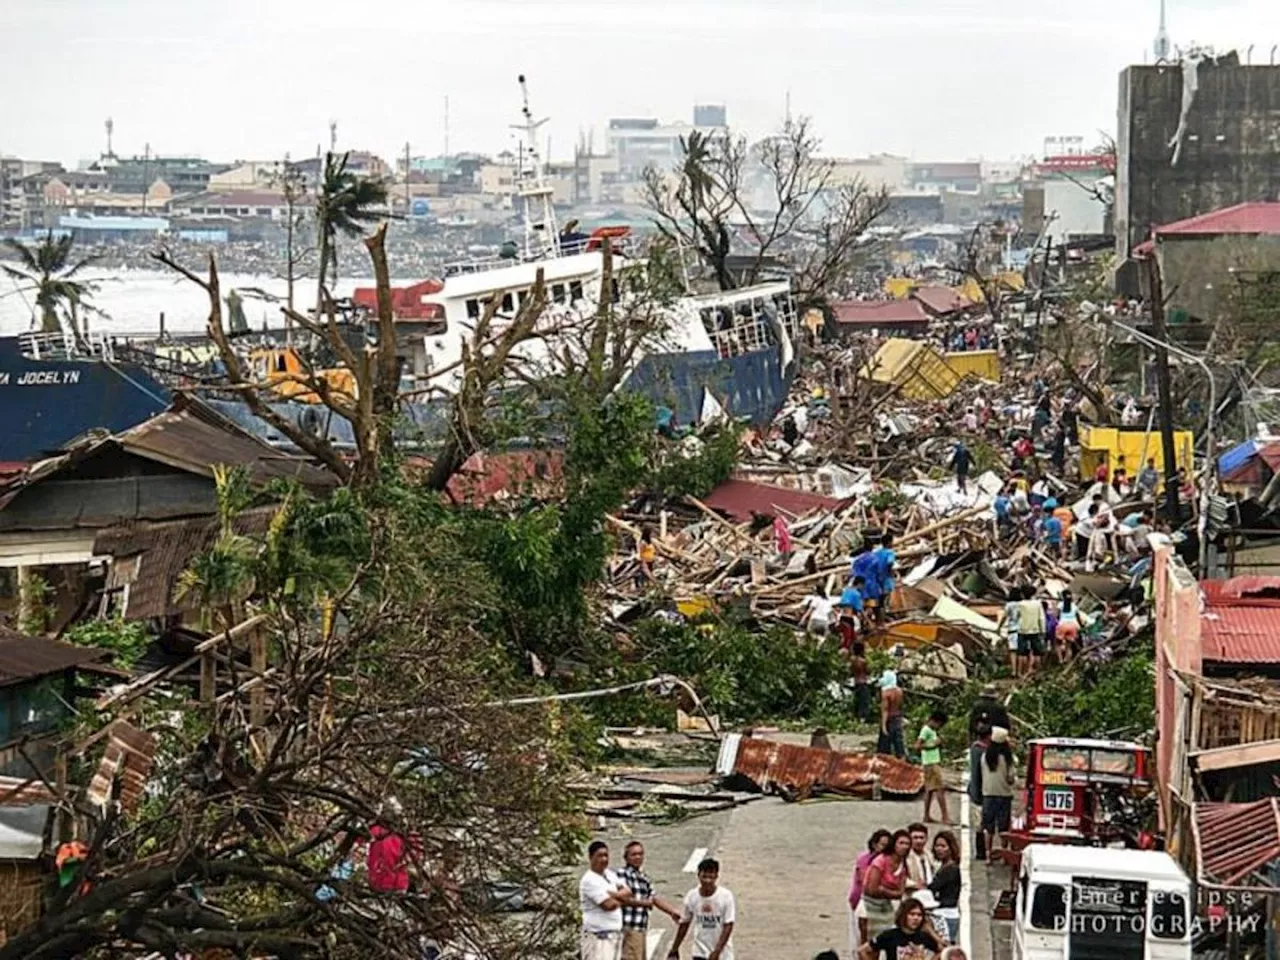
x=884, y=884
x=876, y=845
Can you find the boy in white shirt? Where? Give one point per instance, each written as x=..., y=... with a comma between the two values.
x=711, y=910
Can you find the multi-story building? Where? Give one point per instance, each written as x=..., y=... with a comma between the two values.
x=882, y=171
x=135, y=175
x=643, y=142
x=14, y=173
x=963, y=177
x=1194, y=136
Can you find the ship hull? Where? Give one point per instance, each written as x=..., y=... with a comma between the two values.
x=44, y=404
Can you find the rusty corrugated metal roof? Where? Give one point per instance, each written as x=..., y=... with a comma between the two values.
x=1241, y=621
x=740, y=498
x=129, y=755
x=1235, y=839
x=25, y=658
x=808, y=770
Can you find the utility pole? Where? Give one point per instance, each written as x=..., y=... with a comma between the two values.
x=446, y=126
x=408, y=202
x=1164, y=389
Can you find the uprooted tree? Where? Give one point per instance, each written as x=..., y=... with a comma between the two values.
x=379, y=717
x=742, y=208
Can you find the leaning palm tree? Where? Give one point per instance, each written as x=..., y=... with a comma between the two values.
x=48, y=269
x=346, y=202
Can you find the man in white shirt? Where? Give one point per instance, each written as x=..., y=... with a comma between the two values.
x=601, y=895
x=711, y=911
x=819, y=610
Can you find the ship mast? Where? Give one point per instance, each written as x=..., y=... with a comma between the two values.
x=541, y=237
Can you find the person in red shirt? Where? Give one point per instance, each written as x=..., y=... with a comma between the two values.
x=387, y=860
x=1102, y=474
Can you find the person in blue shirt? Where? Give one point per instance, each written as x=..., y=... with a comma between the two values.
x=851, y=596
x=885, y=559
x=1051, y=530
x=864, y=568
x=962, y=460
x=1002, y=506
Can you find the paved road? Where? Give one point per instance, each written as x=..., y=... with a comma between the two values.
x=788, y=864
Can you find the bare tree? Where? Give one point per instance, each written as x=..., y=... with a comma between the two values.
x=778, y=199
x=293, y=185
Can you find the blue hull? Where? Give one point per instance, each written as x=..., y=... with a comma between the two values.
x=46, y=403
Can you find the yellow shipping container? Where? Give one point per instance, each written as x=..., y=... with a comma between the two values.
x=983, y=364
x=919, y=371
x=899, y=287
x=1135, y=444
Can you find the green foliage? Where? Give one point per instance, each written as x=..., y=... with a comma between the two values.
x=696, y=475
x=743, y=674
x=887, y=498
x=127, y=640
x=34, y=593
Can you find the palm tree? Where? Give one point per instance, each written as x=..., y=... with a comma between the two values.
x=346, y=202
x=48, y=269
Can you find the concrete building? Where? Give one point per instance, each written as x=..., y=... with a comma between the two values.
x=1204, y=259
x=1072, y=194
x=880, y=171
x=247, y=175
x=963, y=177
x=641, y=143
x=710, y=115
x=262, y=204
x=1193, y=137
x=14, y=173
x=136, y=174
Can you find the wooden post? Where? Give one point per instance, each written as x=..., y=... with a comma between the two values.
x=25, y=600
x=1165, y=391
x=208, y=677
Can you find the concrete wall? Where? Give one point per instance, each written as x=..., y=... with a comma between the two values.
x=1199, y=273
x=1079, y=212
x=1229, y=147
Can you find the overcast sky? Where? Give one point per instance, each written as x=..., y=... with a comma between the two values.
x=930, y=79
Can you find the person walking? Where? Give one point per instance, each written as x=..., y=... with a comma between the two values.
x=987, y=710
x=998, y=781
x=909, y=937
x=1010, y=625
x=891, y=719
x=601, y=894
x=929, y=743
x=877, y=844
x=945, y=885
x=635, y=914
x=885, y=562
x=885, y=883
x=712, y=912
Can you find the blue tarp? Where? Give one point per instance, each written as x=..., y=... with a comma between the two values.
x=1237, y=457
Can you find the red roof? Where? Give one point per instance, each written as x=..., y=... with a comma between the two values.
x=1258, y=217
x=1234, y=840
x=1241, y=620
x=940, y=301
x=879, y=313
x=740, y=498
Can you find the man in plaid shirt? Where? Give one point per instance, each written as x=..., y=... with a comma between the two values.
x=635, y=916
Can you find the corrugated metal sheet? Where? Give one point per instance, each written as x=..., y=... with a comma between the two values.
x=738, y=499
x=880, y=313
x=129, y=755
x=940, y=301
x=1241, y=620
x=161, y=551
x=1233, y=840
x=914, y=367
x=25, y=658
x=768, y=763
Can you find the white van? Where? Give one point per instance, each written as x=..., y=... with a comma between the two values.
x=1099, y=903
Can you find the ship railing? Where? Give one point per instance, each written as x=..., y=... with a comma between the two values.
x=64, y=345
x=622, y=246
